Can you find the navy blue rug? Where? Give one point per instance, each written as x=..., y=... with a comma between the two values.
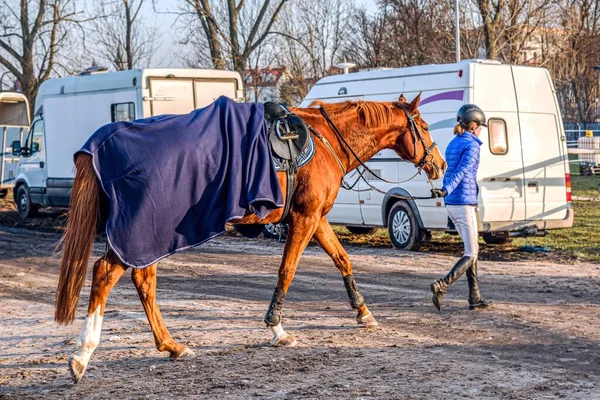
x=173, y=181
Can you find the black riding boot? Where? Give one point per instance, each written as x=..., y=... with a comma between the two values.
x=475, y=299
x=440, y=286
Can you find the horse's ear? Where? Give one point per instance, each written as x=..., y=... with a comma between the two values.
x=402, y=99
x=415, y=103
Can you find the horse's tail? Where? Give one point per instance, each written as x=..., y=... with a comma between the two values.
x=78, y=239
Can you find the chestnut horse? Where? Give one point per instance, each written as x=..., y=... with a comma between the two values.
x=367, y=128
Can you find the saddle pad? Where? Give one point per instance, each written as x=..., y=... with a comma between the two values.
x=173, y=181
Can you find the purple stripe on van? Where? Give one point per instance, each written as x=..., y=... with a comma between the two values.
x=445, y=123
x=453, y=95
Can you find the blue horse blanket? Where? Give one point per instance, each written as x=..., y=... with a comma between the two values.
x=173, y=181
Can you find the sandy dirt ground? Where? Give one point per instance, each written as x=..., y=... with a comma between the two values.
x=540, y=340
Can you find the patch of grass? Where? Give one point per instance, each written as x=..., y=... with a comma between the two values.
x=585, y=186
x=581, y=241
x=573, y=158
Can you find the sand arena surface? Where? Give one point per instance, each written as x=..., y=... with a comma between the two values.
x=540, y=340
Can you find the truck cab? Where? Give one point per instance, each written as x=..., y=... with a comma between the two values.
x=32, y=172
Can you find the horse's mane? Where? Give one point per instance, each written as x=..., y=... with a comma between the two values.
x=371, y=113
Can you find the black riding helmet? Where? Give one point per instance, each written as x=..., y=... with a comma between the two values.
x=470, y=113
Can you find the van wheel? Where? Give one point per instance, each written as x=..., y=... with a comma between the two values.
x=403, y=228
x=24, y=206
x=361, y=230
x=496, y=238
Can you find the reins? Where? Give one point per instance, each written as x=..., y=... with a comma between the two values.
x=345, y=184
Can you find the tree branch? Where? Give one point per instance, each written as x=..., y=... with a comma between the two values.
x=13, y=70
x=267, y=29
x=12, y=52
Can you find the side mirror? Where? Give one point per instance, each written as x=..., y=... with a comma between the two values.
x=35, y=147
x=16, y=148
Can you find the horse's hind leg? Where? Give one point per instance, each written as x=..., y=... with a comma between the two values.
x=327, y=239
x=145, y=283
x=106, y=274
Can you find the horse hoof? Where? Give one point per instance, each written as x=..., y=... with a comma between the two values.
x=186, y=353
x=284, y=341
x=367, y=321
x=76, y=368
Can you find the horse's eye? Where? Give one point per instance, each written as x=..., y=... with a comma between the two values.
x=425, y=128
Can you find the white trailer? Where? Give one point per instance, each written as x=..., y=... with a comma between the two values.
x=523, y=177
x=14, y=122
x=69, y=110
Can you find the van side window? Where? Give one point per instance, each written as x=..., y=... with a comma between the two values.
x=498, y=136
x=122, y=112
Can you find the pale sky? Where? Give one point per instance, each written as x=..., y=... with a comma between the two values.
x=166, y=55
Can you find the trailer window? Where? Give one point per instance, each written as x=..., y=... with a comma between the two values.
x=498, y=137
x=122, y=112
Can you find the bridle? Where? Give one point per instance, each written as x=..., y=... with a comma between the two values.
x=415, y=131
x=420, y=165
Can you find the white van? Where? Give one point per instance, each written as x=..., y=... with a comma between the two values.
x=69, y=110
x=524, y=172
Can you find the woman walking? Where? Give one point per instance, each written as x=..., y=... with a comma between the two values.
x=460, y=192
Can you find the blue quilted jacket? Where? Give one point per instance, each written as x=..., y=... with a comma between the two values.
x=460, y=179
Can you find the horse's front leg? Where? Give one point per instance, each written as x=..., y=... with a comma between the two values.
x=327, y=239
x=145, y=282
x=300, y=232
x=106, y=274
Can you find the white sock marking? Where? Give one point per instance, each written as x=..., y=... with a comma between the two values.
x=89, y=338
x=278, y=332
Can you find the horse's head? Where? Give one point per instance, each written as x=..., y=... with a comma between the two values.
x=414, y=143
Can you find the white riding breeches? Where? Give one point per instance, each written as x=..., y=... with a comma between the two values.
x=465, y=221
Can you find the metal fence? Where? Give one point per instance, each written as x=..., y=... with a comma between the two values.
x=574, y=134
x=582, y=126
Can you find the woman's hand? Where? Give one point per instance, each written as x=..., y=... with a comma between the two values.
x=435, y=193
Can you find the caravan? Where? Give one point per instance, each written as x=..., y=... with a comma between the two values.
x=69, y=110
x=14, y=122
x=523, y=177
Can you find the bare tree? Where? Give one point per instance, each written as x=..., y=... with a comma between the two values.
x=315, y=34
x=32, y=36
x=413, y=32
x=509, y=25
x=417, y=32
x=368, y=38
x=120, y=35
x=578, y=52
x=232, y=30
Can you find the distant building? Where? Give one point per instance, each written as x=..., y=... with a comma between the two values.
x=264, y=84
x=279, y=84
